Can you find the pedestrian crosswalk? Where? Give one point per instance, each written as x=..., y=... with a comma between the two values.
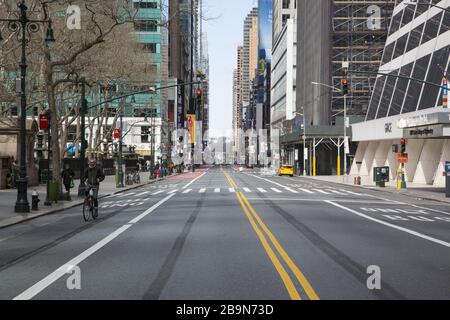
x=226, y=190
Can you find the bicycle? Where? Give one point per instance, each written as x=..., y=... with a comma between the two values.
x=89, y=209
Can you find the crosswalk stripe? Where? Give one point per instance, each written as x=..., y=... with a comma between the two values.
x=290, y=190
x=337, y=192
x=203, y=190
x=173, y=191
x=158, y=192
x=247, y=190
x=306, y=190
x=217, y=190
x=187, y=191
x=276, y=190
x=141, y=194
x=262, y=190
x=126, y=195
x=321, y=191
x=231, y=190
x=354, y=193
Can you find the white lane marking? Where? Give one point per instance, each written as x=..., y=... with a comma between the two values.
x=158, y=192
x=409, y=231
x=290, y=190
x=187, y=191
x=306, y=190
x=231, y=190
x=126, y=195
x=276, y=190
x=262, y=190
x=217, y=190
x=202, y=190
x=172, y=192
x=321, y=191
x=247, y=190
x=186, y=186
x=322, y=200
x=354, y=193
x=40, y=286
x=337, y=192
x=142, y=193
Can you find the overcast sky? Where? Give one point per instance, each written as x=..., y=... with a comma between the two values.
x=224, y=27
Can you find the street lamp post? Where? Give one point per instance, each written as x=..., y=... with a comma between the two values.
x=24, y=27
x=304, y=139
x=83, y=111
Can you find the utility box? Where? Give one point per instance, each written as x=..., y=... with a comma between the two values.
x=381, y=176
x=447, y=179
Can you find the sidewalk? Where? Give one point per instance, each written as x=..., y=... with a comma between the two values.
x=8, y=198
x=418, y=191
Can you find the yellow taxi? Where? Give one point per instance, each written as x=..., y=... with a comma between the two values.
x=286, y=170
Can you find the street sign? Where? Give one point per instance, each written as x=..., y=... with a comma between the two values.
x=347, y=122
x=306, y=153
x=346, y=145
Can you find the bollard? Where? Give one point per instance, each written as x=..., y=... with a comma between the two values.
x=35, y=201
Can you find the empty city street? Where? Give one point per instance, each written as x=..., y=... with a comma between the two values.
x=220, y=233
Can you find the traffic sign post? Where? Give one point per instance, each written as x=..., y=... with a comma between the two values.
x=447, y=179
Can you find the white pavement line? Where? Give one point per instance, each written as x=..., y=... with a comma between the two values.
x=321, y=200
x=186, y=186
x=31, y=292
x=172, y=192
x=231, y=190
x=409, y=231
x=321, y=191
x=337, y=192
x=142, y=193
x=126, y=195
x=276, y=190
x=247, y=190
x=202, y=190
x=187, y=191
x=434, y=210
x=217, y=190
x=354, y=193
x=306, y=190
x=262, y=190
x=153, y=208
x=291, y=190
x=158, y=192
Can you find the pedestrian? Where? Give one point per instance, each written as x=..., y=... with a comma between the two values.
x=148, y=163
x=15, y=173
x=67, y=177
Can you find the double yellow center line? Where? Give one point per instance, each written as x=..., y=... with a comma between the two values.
x=267, y=239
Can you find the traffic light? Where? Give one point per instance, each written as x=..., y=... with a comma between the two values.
x=403, y=145
x=116, y=134
x=43, y=122
x=199, y=97
x=345, y=83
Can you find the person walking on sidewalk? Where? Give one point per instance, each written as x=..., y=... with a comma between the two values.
x=67, y=177
x=93, y=176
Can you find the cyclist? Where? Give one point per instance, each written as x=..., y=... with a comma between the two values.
x=93, y=176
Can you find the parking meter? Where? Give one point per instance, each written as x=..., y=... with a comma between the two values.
x=447, y=179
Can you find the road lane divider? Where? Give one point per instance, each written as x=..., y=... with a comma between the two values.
x=40, y=286
x=264, y=233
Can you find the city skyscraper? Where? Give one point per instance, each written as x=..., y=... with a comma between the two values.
x=250, y=54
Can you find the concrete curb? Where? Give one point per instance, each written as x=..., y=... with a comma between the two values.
x=382, y=191
x=75, y=204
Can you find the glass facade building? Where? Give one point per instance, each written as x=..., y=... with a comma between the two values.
x=418, y=47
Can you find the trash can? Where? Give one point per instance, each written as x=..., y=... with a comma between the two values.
x=53, y=191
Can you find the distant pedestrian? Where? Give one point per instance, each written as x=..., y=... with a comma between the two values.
x=67, y=177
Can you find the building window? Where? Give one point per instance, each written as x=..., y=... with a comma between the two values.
x=145, y=5
x=146, y=25
x=149, y=47
x=145, y=133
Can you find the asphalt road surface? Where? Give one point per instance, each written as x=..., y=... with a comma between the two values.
x=227, y=235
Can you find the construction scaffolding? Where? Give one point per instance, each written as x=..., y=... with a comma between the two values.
x=360, y=29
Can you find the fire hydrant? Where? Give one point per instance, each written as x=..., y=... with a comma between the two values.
x=35, y=200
